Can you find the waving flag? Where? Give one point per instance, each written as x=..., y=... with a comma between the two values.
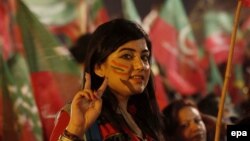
x=130, y=11
x=175, y=49
x=53, y=75
x=215, y=80
x=98, y=14
x=246, y=3
x=217, y=33
x=20, y=115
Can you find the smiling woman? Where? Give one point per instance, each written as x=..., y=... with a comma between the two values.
x=118, y=102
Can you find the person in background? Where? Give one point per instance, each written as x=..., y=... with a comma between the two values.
x=118, y=100
x=184, y=122
x=79, y=49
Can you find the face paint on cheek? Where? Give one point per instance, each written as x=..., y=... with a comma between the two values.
x=120, y=69
x=129, y=85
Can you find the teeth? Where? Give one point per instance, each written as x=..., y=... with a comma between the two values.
x=140, y=77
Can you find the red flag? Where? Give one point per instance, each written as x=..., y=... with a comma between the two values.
x=246, y=3
x=163, y=38
x=217, y=32
x=175, y=49
x=160, y=92
x=55, y=75
x=98, y=14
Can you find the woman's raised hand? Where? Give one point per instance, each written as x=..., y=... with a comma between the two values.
x=86, y=107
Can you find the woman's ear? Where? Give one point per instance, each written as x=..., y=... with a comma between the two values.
x=99, y=70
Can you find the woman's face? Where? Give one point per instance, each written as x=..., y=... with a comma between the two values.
x=191, y=127
x=128, y=68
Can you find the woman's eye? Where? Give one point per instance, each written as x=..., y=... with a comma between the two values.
x=145, y=58
x=184, y=125
x=127, y=56
x=198, y=120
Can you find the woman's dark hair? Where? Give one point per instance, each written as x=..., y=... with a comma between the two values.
x=107, y=38
x=171, y=115
x=79, y=48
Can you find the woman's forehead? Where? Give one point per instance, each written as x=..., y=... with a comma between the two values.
x=134, y=45
x=188, y=112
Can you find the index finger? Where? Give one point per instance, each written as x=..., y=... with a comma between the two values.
x=103, y=87
x=88, y=81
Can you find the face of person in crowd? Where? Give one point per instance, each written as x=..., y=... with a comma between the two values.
x=191, y=126
x=127, y=68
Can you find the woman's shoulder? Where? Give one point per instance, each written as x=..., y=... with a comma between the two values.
x=66, y=107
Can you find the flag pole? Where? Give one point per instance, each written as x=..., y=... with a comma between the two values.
x=228, y=71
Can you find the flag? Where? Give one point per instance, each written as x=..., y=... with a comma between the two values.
x=19, y=113
x=62, y=20
x=130, y=12
x=246, y=3
x=175, y=49
x=217, y=29
x=98, y=14
x=19, y=116
x=215, y=80
x=55, y=76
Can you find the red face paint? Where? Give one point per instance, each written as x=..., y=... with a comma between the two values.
x=119, y=68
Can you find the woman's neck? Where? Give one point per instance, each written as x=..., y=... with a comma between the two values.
x=121, y=100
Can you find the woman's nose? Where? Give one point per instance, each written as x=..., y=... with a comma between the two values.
x=138, y=64
x=195, y=126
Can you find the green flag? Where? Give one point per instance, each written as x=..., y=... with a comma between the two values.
x=130, y=12
x=214, y=79
x=21, y=119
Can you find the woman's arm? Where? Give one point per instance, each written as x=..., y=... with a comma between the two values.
x=60, y=125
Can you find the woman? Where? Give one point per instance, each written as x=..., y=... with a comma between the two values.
x=184, y=122
x=118, y=101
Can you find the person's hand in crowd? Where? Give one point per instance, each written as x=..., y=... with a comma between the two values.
x=86, y=107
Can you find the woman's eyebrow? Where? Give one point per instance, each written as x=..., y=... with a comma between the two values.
x=133, y=50
x=128, y=49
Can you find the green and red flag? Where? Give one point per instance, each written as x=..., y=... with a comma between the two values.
x=217, y=29
x=62, y=20
x=215, y=80
x=20, y=115
x=98, y=14
x=130, y=11
x=55, y=75
x=246, y=3
x=175, y=49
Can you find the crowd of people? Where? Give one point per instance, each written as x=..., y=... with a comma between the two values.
x=142, y=80
x=118, y=99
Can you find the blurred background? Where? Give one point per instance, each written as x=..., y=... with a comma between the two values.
x=43, y=44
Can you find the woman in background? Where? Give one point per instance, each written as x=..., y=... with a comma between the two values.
x=184, y=122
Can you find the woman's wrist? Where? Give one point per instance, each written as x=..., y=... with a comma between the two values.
x=68, y=136
x=78, y=131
